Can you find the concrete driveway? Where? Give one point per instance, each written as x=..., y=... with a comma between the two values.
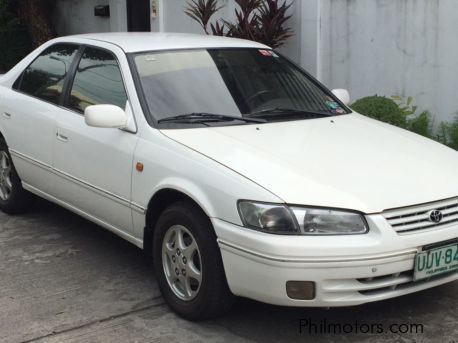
x=64, y=279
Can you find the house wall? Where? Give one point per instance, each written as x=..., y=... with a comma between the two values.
x=77, y=16
x=387, y=47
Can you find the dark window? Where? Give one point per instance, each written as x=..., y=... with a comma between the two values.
x=17, y=83
x=97, y=81
x=45, y=77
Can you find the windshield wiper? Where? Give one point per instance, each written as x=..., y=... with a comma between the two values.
x=279, y=111
x=207, y=117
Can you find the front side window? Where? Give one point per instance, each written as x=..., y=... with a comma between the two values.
x=45, y=77
x=97, y=81
x=243, y=83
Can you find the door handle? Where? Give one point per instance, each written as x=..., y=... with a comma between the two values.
x=61, y=137
x=7, y=115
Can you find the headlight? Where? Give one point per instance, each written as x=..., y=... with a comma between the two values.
x=314, y=221
x=268, y=217
x=281, y=219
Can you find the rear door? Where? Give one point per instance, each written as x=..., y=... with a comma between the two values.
x=29, y=111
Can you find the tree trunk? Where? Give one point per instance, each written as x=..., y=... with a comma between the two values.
x=36, y=15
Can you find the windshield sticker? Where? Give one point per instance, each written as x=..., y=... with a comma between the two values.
x=266, y=53
x=340, y=110
x=150, y=58
x=334, y=106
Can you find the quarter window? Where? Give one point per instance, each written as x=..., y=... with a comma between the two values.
x=97, y=81
x=45, y=77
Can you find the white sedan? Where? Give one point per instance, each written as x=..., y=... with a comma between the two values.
x=239, y=172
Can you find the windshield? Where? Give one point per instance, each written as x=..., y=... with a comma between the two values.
x=229, y=82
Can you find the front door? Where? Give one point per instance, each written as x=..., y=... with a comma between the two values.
x=94, y=165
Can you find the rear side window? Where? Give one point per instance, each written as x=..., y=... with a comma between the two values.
x=45, y=77
x=97, y=81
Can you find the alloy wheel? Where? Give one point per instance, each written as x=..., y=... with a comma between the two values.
x=182, y=263
x=6, y=184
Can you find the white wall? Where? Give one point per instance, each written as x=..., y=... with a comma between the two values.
x=77, y=16
x=388, y=47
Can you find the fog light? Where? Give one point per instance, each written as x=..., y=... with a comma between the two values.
x=301, y=290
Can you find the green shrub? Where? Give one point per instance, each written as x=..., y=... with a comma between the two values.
x=263, y=21
x=448, y=134
x=421, y=124
x=381, y=108
x=14, y=38
x=453, y=134
x=402, y=113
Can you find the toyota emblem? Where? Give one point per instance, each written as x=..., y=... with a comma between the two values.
x=436, y=216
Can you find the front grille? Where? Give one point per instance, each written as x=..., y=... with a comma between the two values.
x=415, y=218
x=398, y=281
x=382, y=286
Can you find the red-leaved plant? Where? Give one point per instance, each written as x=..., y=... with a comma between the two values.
x=263, y=21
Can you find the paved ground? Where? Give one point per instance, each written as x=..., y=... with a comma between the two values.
x=63, y=279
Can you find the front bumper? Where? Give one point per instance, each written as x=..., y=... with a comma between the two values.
x=347, y=270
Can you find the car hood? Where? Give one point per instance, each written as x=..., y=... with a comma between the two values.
x=349, y=161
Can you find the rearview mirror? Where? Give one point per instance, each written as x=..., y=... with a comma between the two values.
x=343, y=95
x=105, y=116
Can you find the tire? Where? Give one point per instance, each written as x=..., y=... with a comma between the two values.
x=13, y=198
x=184, y=293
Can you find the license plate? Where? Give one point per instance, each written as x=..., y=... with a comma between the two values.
x=436, y=261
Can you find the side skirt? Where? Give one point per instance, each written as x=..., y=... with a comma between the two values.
x=137, y=242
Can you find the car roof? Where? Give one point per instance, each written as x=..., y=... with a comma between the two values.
x=150, y=41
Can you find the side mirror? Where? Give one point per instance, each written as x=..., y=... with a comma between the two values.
x=343, y=95
x=105, y=116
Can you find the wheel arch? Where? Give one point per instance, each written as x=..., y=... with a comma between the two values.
x=162, y=199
